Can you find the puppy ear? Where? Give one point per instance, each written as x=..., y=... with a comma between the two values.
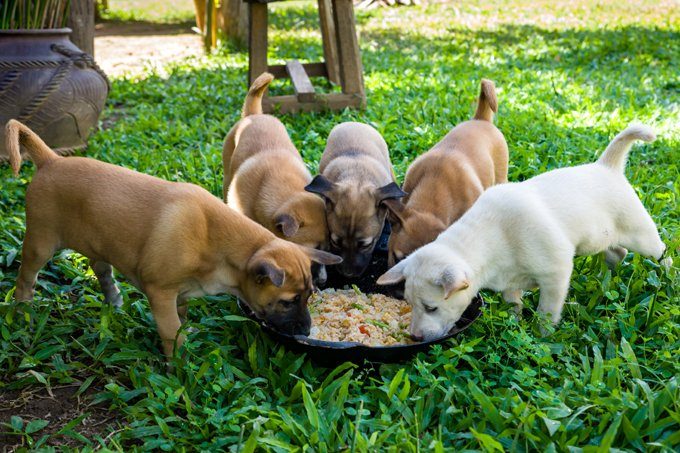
x=321, y=257
x=395, y=211
x=267, y=270
x=390, y=191
x=394, y=275
x=287, y=224
x=322, y=186
x=450, y=283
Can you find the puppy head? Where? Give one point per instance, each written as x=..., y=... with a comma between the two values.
x=355, y=217
x=278, y=283
x=437, y=288
x=302, y=220
x=411, y=229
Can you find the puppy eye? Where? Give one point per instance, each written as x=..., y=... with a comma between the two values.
x=365, y=243
x=290, y=303
x=429, y=309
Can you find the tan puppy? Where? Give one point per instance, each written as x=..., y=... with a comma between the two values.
x=265, y=177
x=356, y=178
x=173, y=241
x=444, y=183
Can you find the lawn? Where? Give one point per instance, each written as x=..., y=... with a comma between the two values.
x=570, y=75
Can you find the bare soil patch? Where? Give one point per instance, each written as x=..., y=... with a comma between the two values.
x=58, y=409
x=129, y=48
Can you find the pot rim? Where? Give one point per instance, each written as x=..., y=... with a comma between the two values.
x=37, y=31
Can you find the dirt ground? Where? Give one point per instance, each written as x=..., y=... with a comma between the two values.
x=128, y=48
x=58, y=408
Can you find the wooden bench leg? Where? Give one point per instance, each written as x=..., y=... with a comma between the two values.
x=257, y=41
x=351, y=70
x=329, y=40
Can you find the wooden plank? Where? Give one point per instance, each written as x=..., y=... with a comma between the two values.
x=81, y=21
x=351, y=70
x=332, y=101
x=329, y=40
x=304, y=90
x=312, y=69
x=257, y=41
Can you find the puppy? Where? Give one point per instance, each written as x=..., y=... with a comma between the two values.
x=173, y=241
x=521, y=235
x=443, y=183
x=355, y=180
x=265, y=177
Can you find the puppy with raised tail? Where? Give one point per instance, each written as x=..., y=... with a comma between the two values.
x=443, y=183
x=355, y=180
x=265, y=177
x=173, y=241
x=521, y=235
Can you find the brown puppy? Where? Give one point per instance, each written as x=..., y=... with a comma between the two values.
x=265, y=177
x=356, y=178
x=173, y=241
x=445, y=182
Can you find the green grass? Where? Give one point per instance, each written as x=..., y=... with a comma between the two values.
x=152, y=11
x=570, y=75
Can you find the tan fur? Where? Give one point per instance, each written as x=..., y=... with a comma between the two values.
x=356, y=161
x=173, y=241
x=265, y=177
x=444, y=183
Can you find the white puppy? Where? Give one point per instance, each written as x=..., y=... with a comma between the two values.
x=521, y=235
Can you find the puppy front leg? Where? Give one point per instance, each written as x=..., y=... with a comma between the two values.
x=164, y=308
x=614, y=255
x=104, y=273
x=553, y=294
x=514, y=296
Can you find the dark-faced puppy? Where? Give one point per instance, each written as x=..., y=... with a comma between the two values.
x=355, y=179
x=444, y=183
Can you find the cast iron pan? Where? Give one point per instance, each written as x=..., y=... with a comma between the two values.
x=337, y=352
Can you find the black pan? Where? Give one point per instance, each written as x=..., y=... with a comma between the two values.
x=337, y=352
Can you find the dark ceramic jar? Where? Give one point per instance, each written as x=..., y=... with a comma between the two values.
x=50, y=85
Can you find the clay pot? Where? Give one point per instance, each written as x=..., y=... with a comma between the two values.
x=50, y=85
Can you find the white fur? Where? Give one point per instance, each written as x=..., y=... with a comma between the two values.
x=521, y=235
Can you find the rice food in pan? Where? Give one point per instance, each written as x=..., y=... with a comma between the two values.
x=350, y=315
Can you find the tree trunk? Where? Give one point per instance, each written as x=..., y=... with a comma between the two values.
x=233, y=20
x=81, y=21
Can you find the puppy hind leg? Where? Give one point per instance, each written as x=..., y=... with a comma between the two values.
x=104, y=273
x=36, y=251
x=639, y=233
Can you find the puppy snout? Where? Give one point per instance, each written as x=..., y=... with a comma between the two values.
x=302, y=329
x=415, y=337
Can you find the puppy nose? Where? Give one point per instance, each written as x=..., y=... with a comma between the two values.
x=416, y=337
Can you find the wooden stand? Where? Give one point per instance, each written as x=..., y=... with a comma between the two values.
x=342, y=63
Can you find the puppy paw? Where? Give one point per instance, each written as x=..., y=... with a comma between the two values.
x=667, y=263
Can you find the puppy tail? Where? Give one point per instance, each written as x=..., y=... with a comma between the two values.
x=487, y=104
x=616, y=154
x=17, y=134
x=253, y=103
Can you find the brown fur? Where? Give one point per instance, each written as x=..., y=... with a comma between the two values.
x=443, y=183
x=265, y=177
x=355, y=166
x=173, y=241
